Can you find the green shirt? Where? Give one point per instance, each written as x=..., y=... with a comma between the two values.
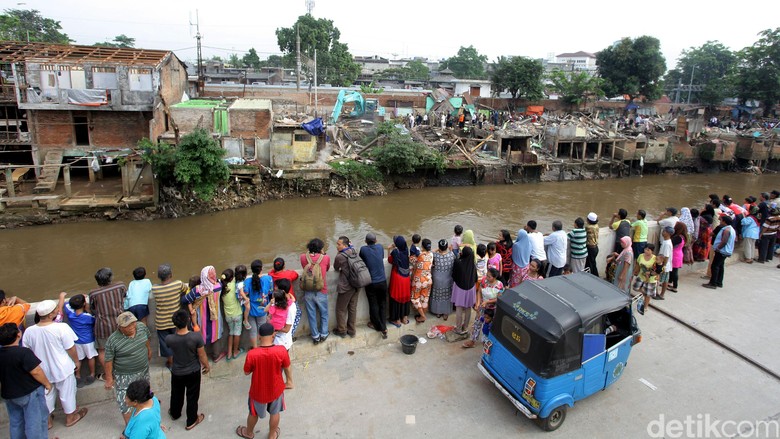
x=577, y=241
x=129, y=354
x=640, y=230
x=230, y=301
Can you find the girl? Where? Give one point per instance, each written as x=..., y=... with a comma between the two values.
x=257, y=290
x=494, y=259
x=421, y=280
x=750, y=232
x=488, y=292
x=533, y=270
x=521, y=257
x=145, y=418
x=464, y=287
x=400, y=282
x=233, y=313
x=482, y=261
x=701, y=246
x=240, y=273
x=646, y=277
x=283, y=336
x=276, y=310
x=623, y=264
x=679, y=239
x=504, y=249
x=278, y=273
x=468, y=241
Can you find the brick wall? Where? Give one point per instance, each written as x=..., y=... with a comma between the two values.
x=52, y=128
x=117, y=129
x=250, y=123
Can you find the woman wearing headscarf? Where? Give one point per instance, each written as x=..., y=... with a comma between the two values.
x=421, y=280
x=468, y=241
x=205, y=302
x=441, y=293
x=687, y=219
x=703, y=241
x=624, y=265
x=521, y=256
x=400, y=282
x=464, y=288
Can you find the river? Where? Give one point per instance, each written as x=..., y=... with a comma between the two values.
x=38, y=262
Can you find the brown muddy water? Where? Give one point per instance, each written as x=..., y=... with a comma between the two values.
x=37, y=262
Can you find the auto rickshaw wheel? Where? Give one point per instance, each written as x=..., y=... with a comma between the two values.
x=555, y=420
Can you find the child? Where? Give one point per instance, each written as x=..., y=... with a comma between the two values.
x=494, y=258
x=414, y=250
x=277, y=310
x=243, y=299
x=456, y=240
x=646, y=277
x=233, y=313
x=83, y=324
x=489, y=289
x=191, y=307
x=284, y=336
x=567, y=269
x=482, y=261
x=487, y=323
x=137, y=298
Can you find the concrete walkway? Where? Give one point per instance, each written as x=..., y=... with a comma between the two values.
x=367, y=388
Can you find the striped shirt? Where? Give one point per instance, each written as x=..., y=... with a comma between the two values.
x=106, y=303
x=167, y=299
x=577, y=240
x=129, y=354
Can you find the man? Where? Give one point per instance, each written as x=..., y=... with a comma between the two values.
x=189, y=357
x=621, y=226
x=106, y=302
x=316, y=301
x=668, y=218
x=167, y=299
x=556, y=243
x=664, y=259
x=22, y=384
x=346, y=303
x=769, y=236
x=639, y=233
x=54, y=344
x=128, y=351
x=537, y=244
x=373, y=255
x=739, y=214
x=763, y=207
x=12, y=310
x=266, y=392
x=723, y=247
x=578, y=239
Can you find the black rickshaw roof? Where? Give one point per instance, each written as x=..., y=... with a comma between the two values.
x=552, y=307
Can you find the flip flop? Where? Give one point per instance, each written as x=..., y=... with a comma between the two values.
x=394, y=324
x=82, y=412
x=220, y=357
x=198, y=420
x=278, y=432
x=241, y=432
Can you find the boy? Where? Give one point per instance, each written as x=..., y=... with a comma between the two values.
x=639, y=233
x=137, y=299
x=665, y=257
x=83, y=324
x=456, y=240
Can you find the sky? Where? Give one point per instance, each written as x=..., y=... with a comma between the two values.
x=402, y=28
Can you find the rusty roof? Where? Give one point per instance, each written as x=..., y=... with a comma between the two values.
x=16, y=51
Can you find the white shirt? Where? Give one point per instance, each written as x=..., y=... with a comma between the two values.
x=557, y=243
x=666, y=250
x=537, y=246
x=670, y=222
x=50, y=344
x=285, y=338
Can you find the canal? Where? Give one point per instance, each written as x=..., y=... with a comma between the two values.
x=37, y=262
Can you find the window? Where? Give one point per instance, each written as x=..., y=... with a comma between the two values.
x=81, y=128
x=302, y=138
x=140, y=79
x=104, y=78
x=515, y=334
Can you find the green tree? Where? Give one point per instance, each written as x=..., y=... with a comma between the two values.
x=632, y=67
x=335, y=65
x=758, y=76
x=402, y=155
x=467, y=64
x=234, y=60
x=251, y=59
x=119, y=41
x=520, y=76
x=273, y=61
x=575, y=88
x=30, y=25
x=414, y=70
x=199, y=165
x=713, y=67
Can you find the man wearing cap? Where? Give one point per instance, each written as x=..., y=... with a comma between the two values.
x=54, y=344
x=266, y=391
x=592, y=231
x=12, y=309
x=373, y=255
x=723, y=247
x=128, y=351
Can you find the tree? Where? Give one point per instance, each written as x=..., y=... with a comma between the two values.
x=29, y=25
x=632, y=67
x=234, y=60
x=400, y=154
x=273, y=61
x=759, y=71
x=575, y=88
x=712, y=66
x=467, y=64
x=520, y=76
x=335, y=65
x=414, y=70
x=119, y=41
x=251, y=59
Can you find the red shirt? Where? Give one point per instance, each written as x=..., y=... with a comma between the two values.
x=265, y=364
x=324, y=266
x=290, y=275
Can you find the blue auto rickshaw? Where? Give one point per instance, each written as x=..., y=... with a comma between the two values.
x=556, y=341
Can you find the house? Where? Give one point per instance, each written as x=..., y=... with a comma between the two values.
x=577, y=61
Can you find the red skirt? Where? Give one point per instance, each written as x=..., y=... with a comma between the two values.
x=400, y=287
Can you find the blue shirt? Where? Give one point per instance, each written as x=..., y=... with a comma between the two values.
x=82, y=324
x=374, y=257
x=146, y=423
x=727, y=249
x=258, y=299
x=138, y=293
x=750, y=228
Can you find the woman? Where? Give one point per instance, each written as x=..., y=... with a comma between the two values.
x=623, y=265
x=592, y=232
x=468, y=241
x=504, y=248
x=686, y=217
x=400, y=282
x=679, y=239
x=490, y=289
x=145, y=418
x=234, y=316
x=533, y=270
x=701, y=246
x=206, y=305
x=441, y=293
x=279, y=272
x=421, y=280
x=464, y=288
x=750, y=233
x=521, y=257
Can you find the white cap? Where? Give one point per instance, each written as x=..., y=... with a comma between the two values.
x=45, y=307
x=592, y=217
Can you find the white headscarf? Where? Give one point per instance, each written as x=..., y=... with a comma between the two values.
x=687, y=219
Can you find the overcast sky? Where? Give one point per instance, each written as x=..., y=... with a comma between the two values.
x=403, y=28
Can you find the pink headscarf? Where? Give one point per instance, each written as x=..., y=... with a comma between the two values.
x=208, y=280
x=627, y=255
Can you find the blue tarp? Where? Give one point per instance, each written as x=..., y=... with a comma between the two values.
x=314, y=127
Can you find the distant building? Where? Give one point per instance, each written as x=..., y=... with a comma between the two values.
x=576, y=61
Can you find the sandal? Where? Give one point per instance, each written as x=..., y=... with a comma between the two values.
x=371, y=325
x=241, y=432
x=397, y=325
x=468, y=344
x=82, y=412
x=200, y=419
x=220, y=357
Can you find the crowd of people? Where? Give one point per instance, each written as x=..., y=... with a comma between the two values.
x=43, y=363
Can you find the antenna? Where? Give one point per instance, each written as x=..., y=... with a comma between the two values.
x=309, y=6
x=201, y=78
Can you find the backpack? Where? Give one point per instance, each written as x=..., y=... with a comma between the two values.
x=358, y=275
x=312, y=275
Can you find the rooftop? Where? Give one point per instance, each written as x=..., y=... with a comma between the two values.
x=15, y=51
x=580, y=54
x=251, y=104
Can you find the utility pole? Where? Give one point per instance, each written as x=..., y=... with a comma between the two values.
x=316, y=100
x=298, y=59
x=691, y=84
x=677, y=92
x=201, y=77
